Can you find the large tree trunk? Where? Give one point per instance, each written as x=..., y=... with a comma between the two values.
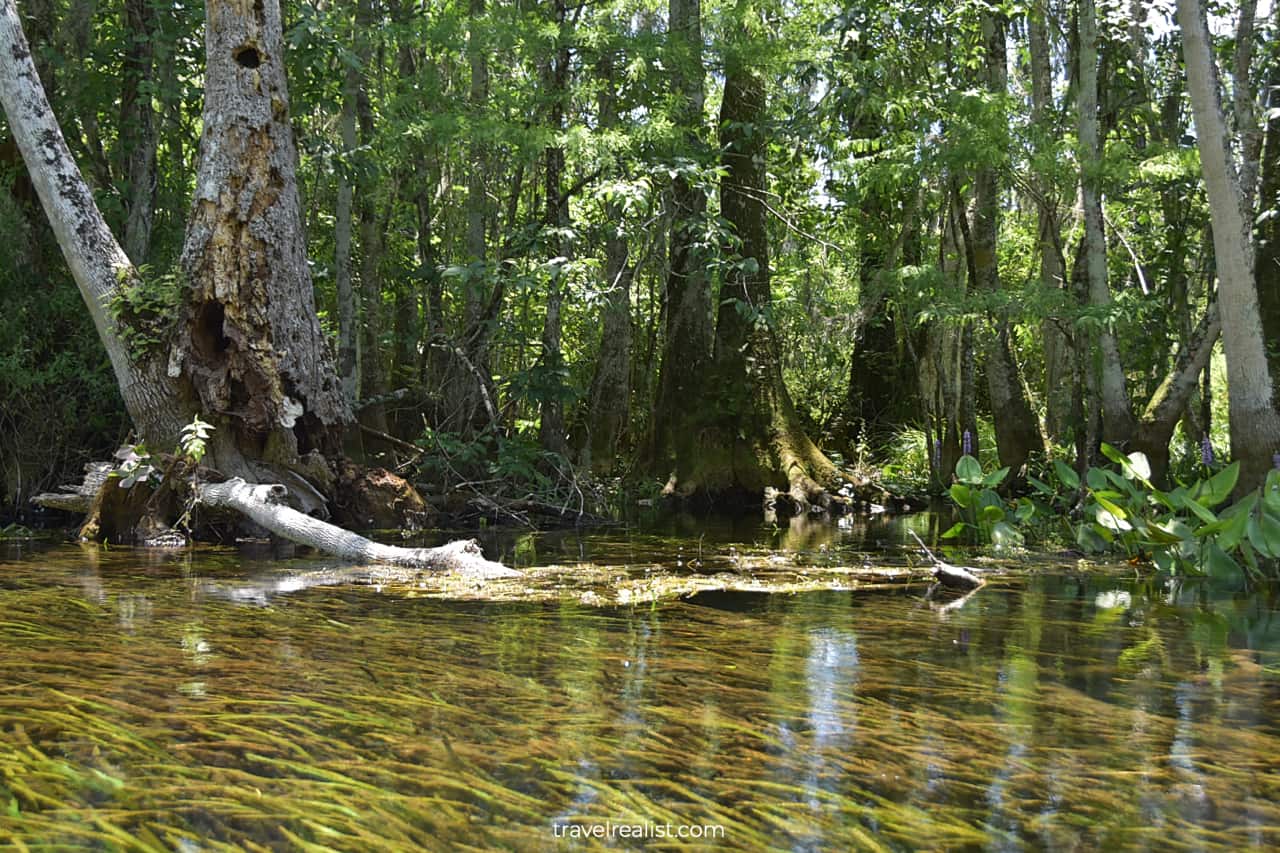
x=248, y=339
x=1255, y=424
x=687, y=345
x=760, y=441
x=248, y=351
x=1017, y=430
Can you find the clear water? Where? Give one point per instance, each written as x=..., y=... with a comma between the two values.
x=216, y=700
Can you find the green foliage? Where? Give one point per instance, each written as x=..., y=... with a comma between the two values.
x=984, y=514
x=146, y=308
x=137, y=465
x=194, y=440
x=1188, y=529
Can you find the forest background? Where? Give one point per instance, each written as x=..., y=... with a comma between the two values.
x=692, y=244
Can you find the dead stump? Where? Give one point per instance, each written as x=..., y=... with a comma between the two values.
x=376, y=499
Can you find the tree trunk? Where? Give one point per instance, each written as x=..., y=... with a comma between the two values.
x=609, y=404
x=247, y=351
x=1246, y=118
x=373, y=371
x=248, y=339
x=1268, y=235
x=687, y=346
x=1255, y=424
x=878, y=370
x=137, y=128
x=262, y=504
x=1117, y=417
x=761, y=442
x=1058, y=355
x=469, y=389
x=348, y=375
x=1017, y=430
x=100, y=267
x=551, y=434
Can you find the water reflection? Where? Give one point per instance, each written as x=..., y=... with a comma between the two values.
x=1064, y=712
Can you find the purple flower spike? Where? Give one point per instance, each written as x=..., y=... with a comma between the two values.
x=968, y=443
x=937, y=454
x=1275, y=461
x=1206, y=452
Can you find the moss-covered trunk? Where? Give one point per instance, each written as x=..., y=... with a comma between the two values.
x=752, y=437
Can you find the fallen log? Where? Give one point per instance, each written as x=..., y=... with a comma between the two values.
x=78, y=498
x=956, y=577
x=262, y=504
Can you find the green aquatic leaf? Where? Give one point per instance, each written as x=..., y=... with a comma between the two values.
x=1217, y=488
x=995, y=478
x=1219, y=564
x=1066, y=474
x=969, y=470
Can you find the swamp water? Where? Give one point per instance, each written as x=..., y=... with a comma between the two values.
x=215, y=699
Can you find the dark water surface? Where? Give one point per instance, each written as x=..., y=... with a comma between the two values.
x=144, y=707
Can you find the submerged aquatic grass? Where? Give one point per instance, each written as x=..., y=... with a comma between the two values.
x=144, y=708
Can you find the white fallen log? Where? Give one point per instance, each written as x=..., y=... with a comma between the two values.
x=261, y=503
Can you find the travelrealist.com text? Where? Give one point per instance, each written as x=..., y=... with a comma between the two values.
x=609, y=829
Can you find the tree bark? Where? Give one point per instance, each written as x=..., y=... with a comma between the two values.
x=1117, y=416
x=687, y=345
x=248, y=339
x=1017, y=430
x=138, y=137
x=609, y=403
x=1255, y=424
